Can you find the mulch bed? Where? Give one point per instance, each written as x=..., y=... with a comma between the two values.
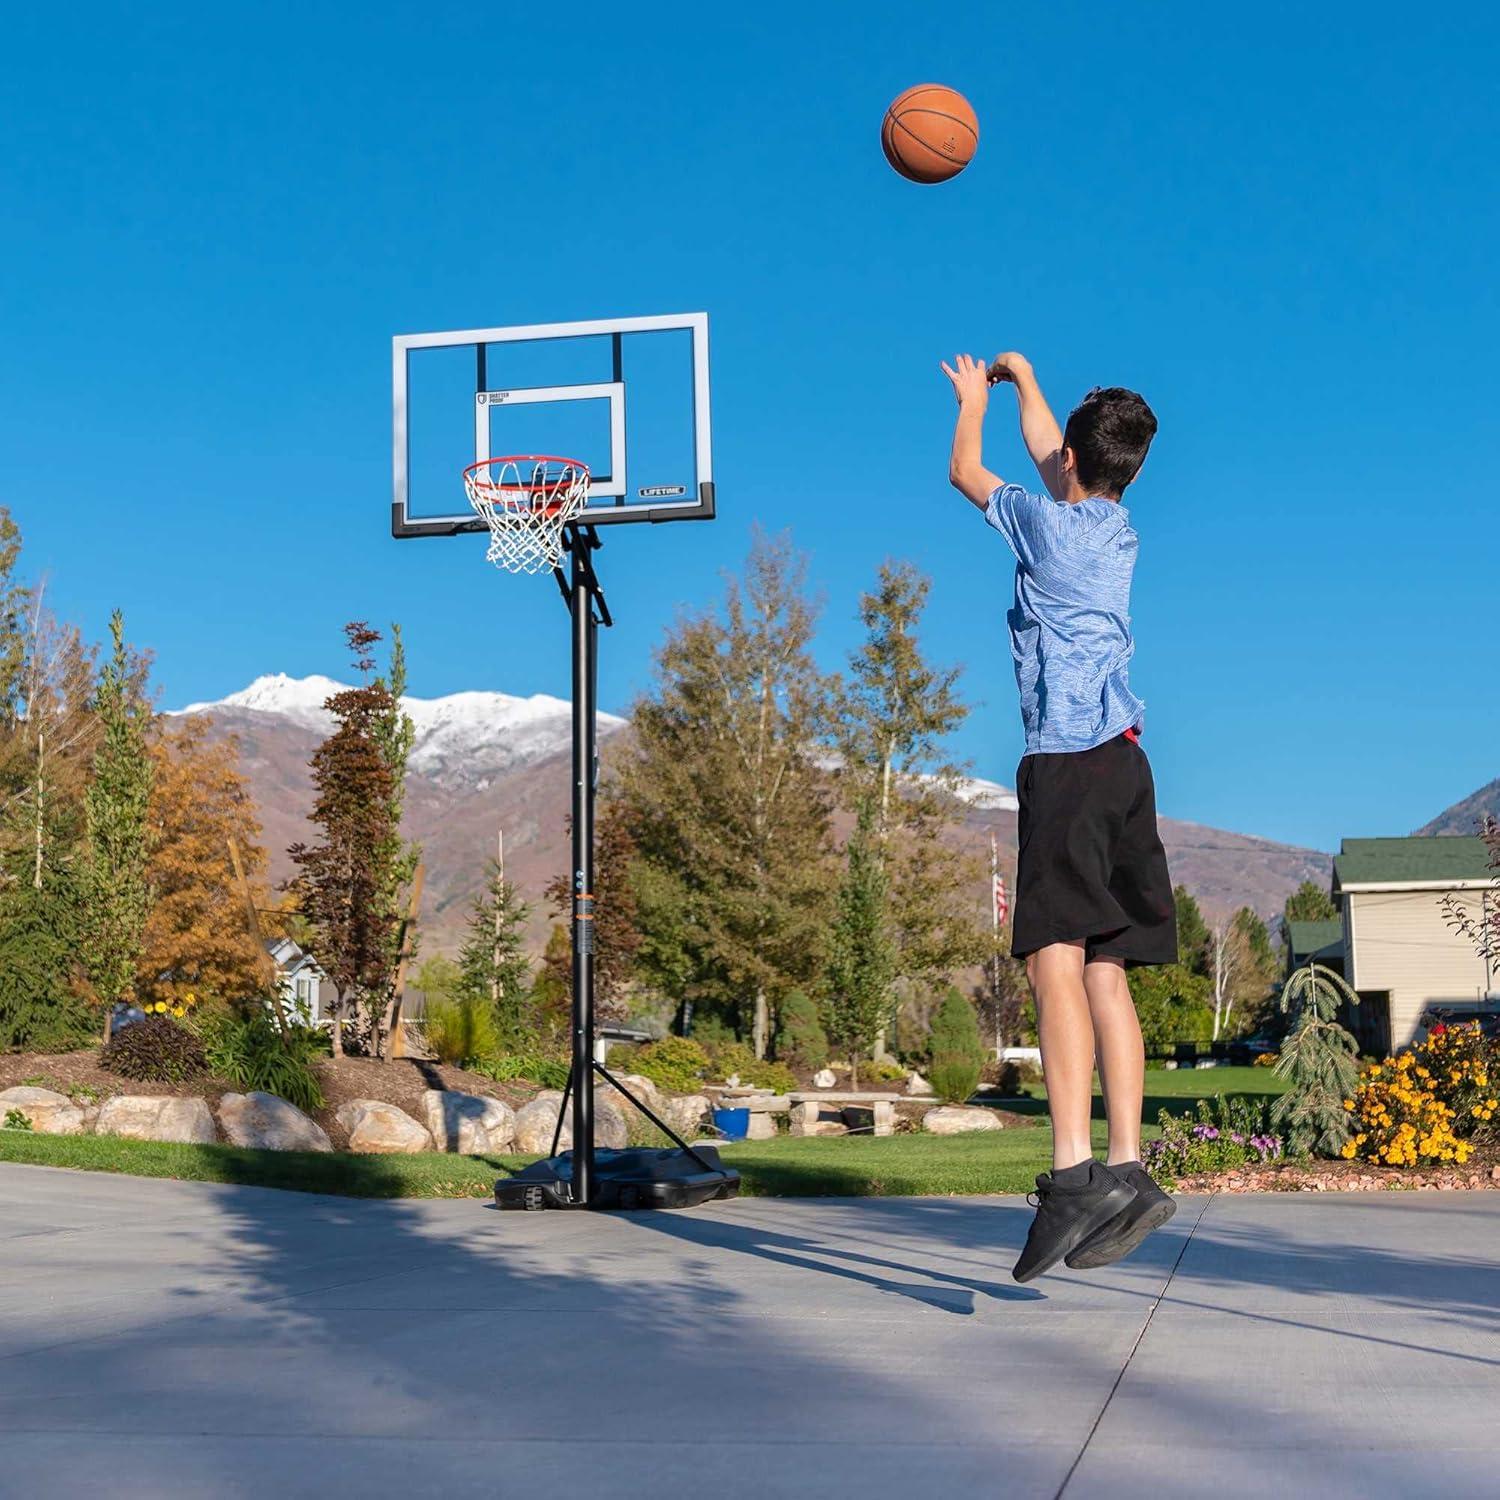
x=401, y=1082
x=1347, y=1177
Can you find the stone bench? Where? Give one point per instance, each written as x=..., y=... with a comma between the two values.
x=818, y=1111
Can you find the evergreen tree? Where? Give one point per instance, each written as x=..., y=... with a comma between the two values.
x=1193, y=936
x=114, y=896
x=552, y=994
x=40, y=1007
x=1309, y=903
x=957, y=1051
x=344, y=883
x=801, y=1041
x=493, y=959
x=196, y=937
x=1173, y=1003
x=861, y=965
x=1319, y=1060
x=15, y=607
x=894, y=715
x=724, y=795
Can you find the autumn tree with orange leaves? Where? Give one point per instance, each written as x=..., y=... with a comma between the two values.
x=197, y=940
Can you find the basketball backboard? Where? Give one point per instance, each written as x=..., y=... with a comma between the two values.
x=628, y=397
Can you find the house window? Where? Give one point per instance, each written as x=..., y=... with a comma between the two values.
x=306, y=996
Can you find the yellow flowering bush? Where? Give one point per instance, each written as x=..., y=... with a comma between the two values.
x=181, y=1004
x=1266, y=1060
x=1420, y=1107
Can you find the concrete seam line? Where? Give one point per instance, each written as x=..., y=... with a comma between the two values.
x=1186, y=1241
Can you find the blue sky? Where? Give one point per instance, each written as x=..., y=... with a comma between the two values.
x=1279, y=226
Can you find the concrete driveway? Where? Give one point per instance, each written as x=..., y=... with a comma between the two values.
x=179, y=1339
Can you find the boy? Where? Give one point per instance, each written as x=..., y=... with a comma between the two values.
x=1092, y=891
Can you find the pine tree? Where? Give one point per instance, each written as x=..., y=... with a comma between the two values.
x=801, y=1041
x=493, y=959
x=894, y=716
x=1309, y=903
x=1193, y=937
x=344, y=883
x=725, y=797
x=1319, y=1060
x=859, y=1001
x=40, y=1007
x=15, y=607
x=957, y=1051
x=196, y=937
x=114, y=896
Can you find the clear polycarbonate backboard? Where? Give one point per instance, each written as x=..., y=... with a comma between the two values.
x=628, y=397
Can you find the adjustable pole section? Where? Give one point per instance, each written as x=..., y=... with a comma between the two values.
x=585, y=636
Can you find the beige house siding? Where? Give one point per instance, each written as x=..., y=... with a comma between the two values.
x=1399, y=941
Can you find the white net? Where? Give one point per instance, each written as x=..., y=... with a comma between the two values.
x=526, y=501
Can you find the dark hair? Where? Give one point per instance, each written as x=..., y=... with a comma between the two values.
x=1109, y=432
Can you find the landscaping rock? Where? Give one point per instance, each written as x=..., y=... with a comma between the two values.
x=469, y=1123
x=824, y=1078
x=140, y=1117
x=380, y=1129
x=762, y=1126
x=686, y=1113
x=959, y=1119
x=266, y=1123
x=918, y=1087
x=50, y=1113
x=812, y=1118
x=536, y=1120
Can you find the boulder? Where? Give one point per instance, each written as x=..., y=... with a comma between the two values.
x=685, y=1114
x=537, y=1119
x=380, y=1129
x=266, y=1123
x=917, y=1086
x=959, y=1119
x=643, y=1089
x=141, y=1117
x=469, y=1123
x=50, y=1113
x=762, y=1126
x=824, y=1078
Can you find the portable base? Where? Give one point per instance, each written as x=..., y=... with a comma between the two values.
x=643, y=1177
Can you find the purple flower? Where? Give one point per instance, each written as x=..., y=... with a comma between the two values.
x=1205, y=1132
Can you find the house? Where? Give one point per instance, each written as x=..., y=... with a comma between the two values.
x=1400, y=952
x=1315, y=942
x=300, y=980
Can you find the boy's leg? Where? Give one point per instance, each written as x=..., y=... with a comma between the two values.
x=1065, y=1035
x=1120, y=1052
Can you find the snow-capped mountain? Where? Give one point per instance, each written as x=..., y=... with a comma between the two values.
x=463, y=738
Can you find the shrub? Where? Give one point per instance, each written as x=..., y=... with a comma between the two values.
x=461, y=1029
x=1420, y=1106
x=801, y=1041
x=1266, y=1059
x=1012, y=1076
x=155, y=1050
x=1231, y=1132
x=15, y=1119
x=676, y=1063
x=547, y=1071
x=729, y=1059
x=250, y=1052
x=885, y=1072
x=957, y=1052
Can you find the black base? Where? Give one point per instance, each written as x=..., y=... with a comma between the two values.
x=643, y=1177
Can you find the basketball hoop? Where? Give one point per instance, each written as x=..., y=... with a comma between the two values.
x=526, y=500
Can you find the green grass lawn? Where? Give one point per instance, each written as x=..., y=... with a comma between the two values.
x=855, y=1166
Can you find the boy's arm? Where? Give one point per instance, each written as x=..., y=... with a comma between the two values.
x=1039, y=429
x=966, y=471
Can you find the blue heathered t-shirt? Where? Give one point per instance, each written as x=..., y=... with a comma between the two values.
x=1070, y=624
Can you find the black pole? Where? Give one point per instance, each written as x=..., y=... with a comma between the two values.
x=585, y=632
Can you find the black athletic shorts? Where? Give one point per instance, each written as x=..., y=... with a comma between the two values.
x=1092, y=866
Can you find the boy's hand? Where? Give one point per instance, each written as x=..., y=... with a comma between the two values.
x=970, y=384
x=1008, y=367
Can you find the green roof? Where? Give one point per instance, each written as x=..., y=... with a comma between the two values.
x=1446, y=857
x=1306, y=938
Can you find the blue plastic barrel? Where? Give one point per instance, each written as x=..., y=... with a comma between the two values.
x=732, y=1124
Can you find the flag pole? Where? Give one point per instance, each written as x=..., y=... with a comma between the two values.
x=995, y=944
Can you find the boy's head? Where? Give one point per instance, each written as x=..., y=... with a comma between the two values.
x=1107, y=436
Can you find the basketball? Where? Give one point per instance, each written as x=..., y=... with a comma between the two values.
x=929, y=133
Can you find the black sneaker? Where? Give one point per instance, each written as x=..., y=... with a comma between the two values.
x=1067, y=1215
x=1123, y=1233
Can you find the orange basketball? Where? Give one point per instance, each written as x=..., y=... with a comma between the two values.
x=929, y=133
